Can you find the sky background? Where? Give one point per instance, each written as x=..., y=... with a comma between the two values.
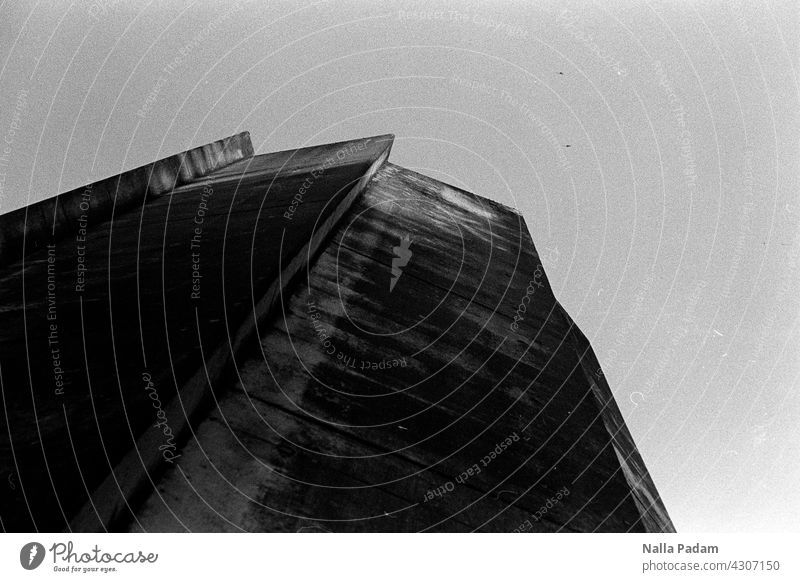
x=653, y=148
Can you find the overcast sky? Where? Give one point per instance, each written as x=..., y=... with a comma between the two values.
x=651, y=146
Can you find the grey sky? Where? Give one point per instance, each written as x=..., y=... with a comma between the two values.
x=652, y=148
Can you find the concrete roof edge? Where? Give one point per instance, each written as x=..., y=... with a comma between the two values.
x=31, y=227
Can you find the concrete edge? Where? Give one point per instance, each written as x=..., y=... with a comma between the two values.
x=27, y=229
x=110, y=503
x=654, y=514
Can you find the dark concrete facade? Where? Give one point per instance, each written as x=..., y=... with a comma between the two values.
x=347, y=353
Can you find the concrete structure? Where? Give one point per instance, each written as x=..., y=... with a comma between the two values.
x=311, y=340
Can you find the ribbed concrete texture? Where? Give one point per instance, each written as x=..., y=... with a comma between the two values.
x=308, y=341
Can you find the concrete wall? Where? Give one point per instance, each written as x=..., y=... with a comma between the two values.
x=27, y=229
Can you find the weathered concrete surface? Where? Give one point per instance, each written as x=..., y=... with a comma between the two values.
x=654, y=514
x=27, y=229
x=380, y=407
x=112, y=338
